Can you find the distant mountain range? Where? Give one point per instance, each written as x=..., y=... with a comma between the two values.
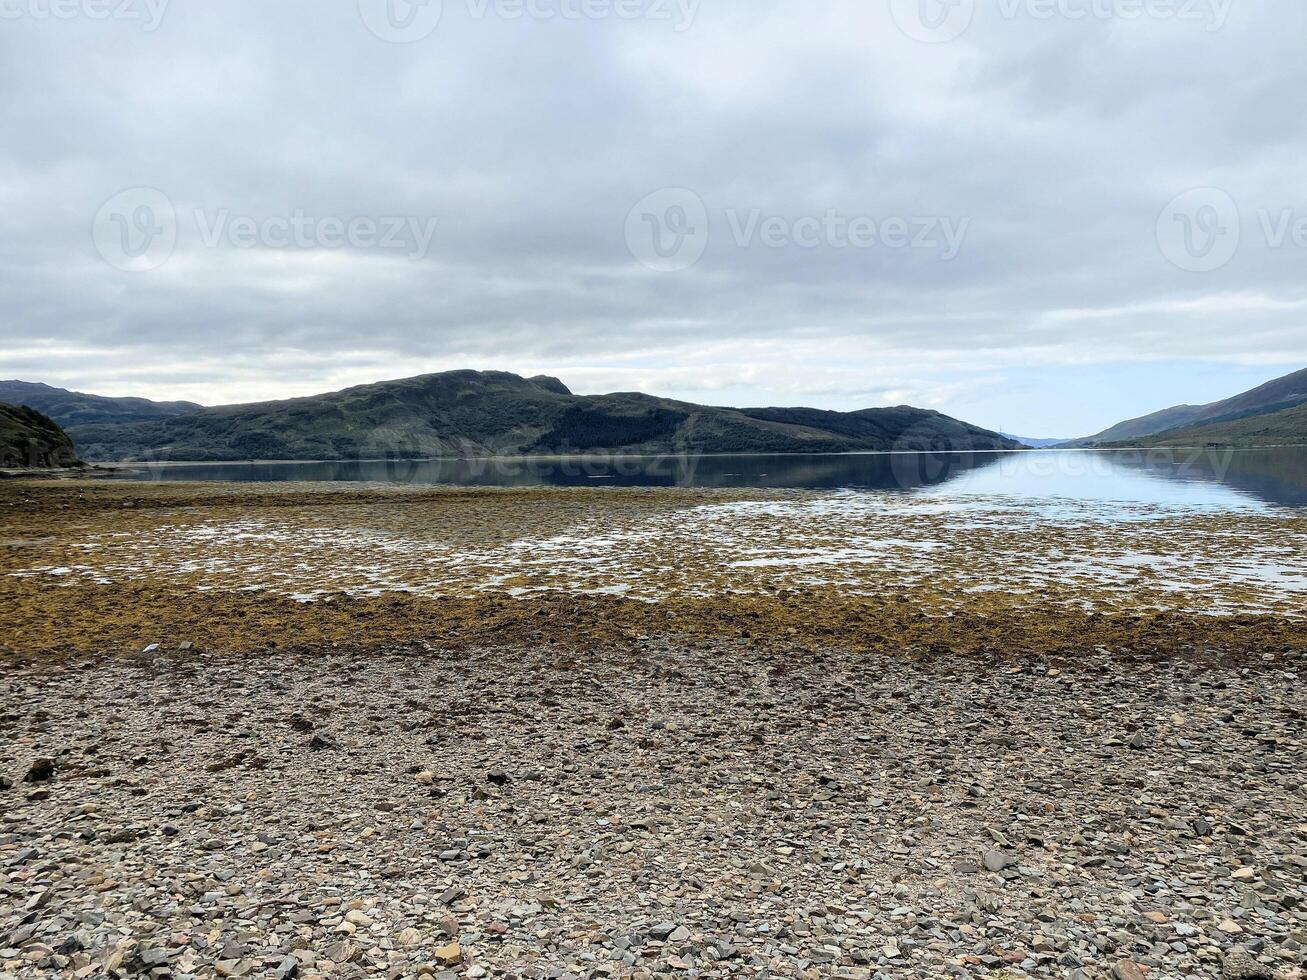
x=473, y=413
x=74, y=408
x=1268, y=415
x=30, y=439
x=1033, y=443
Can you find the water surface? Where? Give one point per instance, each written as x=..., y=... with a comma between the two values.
x=1217, y=479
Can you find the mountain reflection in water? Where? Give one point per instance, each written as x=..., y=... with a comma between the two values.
x=1208, y=477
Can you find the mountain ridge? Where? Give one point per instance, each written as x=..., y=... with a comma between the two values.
x=1287, y=427
x=1272, y=397
x=76, y=407
x=463, y=413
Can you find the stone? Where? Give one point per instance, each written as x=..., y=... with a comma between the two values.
x=662, y=930
x=706, y=838
x=1239, y=964
x=449, y=955
x=41, y=771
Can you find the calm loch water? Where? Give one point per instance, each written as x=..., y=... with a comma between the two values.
x=1208, y=478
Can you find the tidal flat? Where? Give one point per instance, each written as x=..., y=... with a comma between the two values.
x=342, y=731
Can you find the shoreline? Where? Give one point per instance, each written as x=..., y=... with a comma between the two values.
x=101, y=566
x=765, y=772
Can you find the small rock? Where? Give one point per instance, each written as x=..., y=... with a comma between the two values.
x=323, y=741
x=42, y=771
x=1239, y=964
x=450, y=955
x=662, y=930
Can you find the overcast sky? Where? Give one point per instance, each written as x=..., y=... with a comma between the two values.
x=983, y=207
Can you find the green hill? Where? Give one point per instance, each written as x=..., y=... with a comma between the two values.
x=75, y=408
x=1287, y=427
x=29, y=439
x=472, y=413
x=1268, y=399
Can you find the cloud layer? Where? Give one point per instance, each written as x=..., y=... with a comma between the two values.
x=808, y=172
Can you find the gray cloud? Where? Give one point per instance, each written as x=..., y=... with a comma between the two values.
x=1058, y=141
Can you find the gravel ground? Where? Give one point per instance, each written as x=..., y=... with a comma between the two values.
x=696, y=809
